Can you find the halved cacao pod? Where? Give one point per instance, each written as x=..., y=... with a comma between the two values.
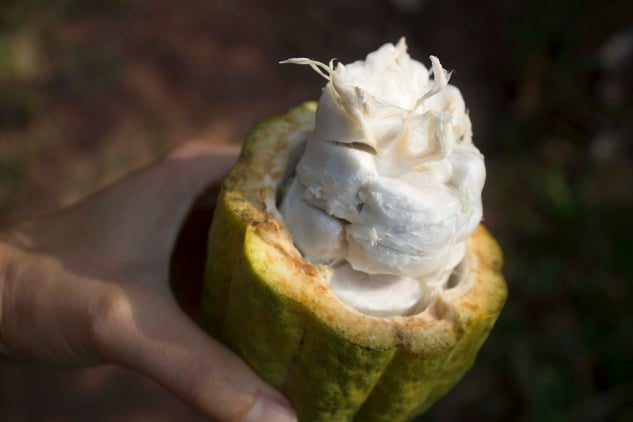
x=277, y=311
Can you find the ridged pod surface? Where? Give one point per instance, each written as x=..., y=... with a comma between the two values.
x=277, y=311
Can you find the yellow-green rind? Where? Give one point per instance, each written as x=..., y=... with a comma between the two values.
x=421, y=380
x=230, y=228
x=277, y=311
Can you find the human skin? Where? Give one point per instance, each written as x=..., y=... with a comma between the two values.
x=90, y=285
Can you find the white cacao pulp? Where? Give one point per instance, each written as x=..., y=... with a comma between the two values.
x=389, y=186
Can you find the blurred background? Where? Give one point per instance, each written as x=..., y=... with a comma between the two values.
x=92, y=90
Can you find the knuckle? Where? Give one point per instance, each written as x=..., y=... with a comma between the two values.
x=109, y=321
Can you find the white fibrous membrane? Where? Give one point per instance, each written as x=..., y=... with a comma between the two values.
x=389, y=186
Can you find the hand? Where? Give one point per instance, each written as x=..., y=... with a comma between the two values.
x=90, y=285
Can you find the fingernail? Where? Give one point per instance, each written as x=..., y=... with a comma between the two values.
x=268, y=409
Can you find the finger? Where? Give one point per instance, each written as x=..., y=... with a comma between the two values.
x=142, y=331
x=206, y=164
x=135, y=221
x=168, y=190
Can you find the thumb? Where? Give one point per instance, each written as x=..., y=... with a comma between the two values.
x=144, y=331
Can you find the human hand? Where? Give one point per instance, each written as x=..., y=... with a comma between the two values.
x=90, y=285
